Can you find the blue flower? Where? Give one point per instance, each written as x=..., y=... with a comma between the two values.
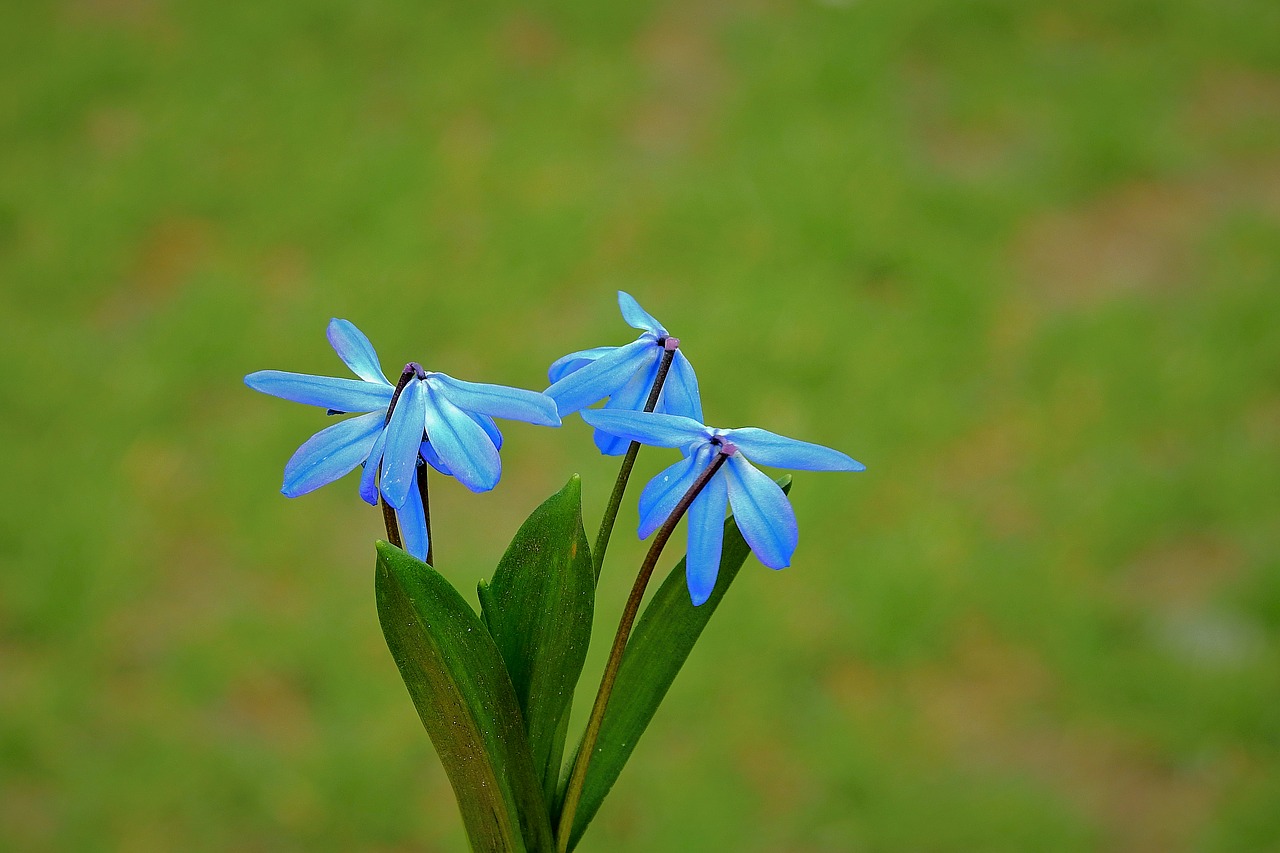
x=436, y=418
x=760, y=507
x=625, y=375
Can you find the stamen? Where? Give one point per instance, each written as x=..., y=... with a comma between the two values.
x=670, y=344
x=727, y=448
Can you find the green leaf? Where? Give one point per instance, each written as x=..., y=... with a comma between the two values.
x=538, y=609
x=460, y=687
x=658, y=648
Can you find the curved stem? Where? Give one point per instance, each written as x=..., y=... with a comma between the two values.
x=573, y=791
x=389, y=521
x=624, y=473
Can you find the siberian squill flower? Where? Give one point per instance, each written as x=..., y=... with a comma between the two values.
x=626, y=375
x=760, y=507
x=428, y=416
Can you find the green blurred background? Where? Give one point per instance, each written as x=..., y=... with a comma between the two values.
x=1022, y=258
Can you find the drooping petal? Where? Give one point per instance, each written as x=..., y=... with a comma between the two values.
x=637, y=317
x=680, y=390
x=663, y=492
x=763, y=513
x=413, y=525
x=404, y=434
x=631, y=397
x=499, y=401
x=327, y=392
x=356, y=352
x=462, y=444
x=706, y=539
x=490, y=428
x=648, y=428
x=330, y=454
x=602, y=377
x=369, y=477
x=766, y=448
x=428, y=453
x=567, y=364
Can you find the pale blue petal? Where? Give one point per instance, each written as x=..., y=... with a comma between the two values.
x=413, y=524
x=706, y=539
x=490, y=428
x=356, y=352
x=499, y=401
x=637, y=317
x=486, y=423
x=631, y=398
x=763, y=513
x=462, y=444
x=404, y=434
x=369, y=477
x=766, y=448
x=648, y=427
x=680, y=391
x=565, y=365
x=327, y=392
x=602, y=377
x=429, y=455
x=663, y=492
x=330, y=454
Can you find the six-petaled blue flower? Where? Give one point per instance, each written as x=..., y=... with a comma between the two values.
x=760, y=507
x=626, y=375
x=436, y=418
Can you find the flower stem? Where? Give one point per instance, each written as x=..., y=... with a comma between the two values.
x=573, y=790
x=389, y=520
x=624, y=473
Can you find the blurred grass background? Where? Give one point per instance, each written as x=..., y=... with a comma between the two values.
x=1021, y=258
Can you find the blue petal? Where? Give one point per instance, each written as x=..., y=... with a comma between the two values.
x=499, y=401
x=631, y=398
x=637, y=317
x=462, y=444
x=565, y=365
x=490, y=428
x=356, y=352
x=327, y=392
x=404, y=434
x=766, y=448
x=602, y=377
x=706, y=539
x=763, y=513
x=663, y=492
x=649, y=428
x=413, y=525
x=680, y=391
x=330, y=453
x=369, y=477
x=429, y=455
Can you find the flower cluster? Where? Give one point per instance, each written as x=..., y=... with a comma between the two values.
x=426, y=417
x=651, y=396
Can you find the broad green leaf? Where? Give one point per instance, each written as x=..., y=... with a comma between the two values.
x=658, y=648
x=538, y=609
x=460, y=687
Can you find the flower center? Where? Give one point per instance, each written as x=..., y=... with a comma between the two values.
x=669, y=343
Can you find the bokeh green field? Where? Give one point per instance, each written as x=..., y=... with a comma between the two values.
x=1021, y=258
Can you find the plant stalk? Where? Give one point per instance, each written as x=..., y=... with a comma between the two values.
x=573, y=790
